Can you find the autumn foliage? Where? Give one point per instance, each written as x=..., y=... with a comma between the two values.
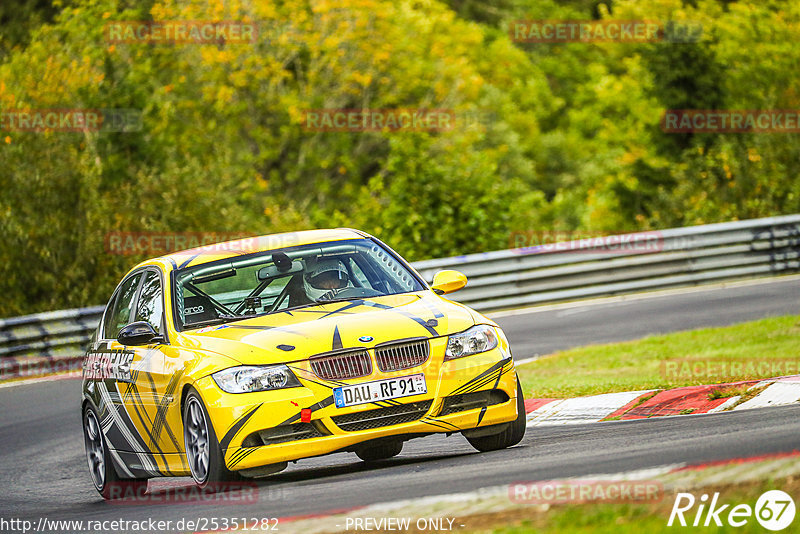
x=562, y=136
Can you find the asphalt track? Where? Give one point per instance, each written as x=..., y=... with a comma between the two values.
x=636, y=316
x=44, y=474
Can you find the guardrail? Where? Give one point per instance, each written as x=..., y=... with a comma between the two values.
x=505, y=279
x=45, y=343
x=668, y=258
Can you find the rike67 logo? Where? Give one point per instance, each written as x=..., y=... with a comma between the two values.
x=774, y=510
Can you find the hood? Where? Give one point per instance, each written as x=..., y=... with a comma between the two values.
x=297, y=334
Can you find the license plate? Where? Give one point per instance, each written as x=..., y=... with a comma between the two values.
x=389, y=388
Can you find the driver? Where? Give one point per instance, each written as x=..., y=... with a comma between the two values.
x=325, y=279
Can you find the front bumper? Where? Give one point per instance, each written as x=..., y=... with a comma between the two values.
x=486, y=381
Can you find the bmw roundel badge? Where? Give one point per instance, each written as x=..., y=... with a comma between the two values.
x=365, y=339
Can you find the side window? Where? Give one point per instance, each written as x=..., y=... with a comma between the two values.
x=358, y=274
x=109, y=313
x=121, y=309
x=150, y=306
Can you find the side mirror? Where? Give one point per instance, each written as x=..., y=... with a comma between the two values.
x=139, y=333
x=448, y=281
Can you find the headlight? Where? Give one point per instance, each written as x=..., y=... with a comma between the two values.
x=250, y=378
x=479, y=338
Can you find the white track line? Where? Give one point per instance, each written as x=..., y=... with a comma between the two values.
x=46, y=378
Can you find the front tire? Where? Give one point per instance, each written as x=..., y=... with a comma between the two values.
x=104, y=476
x=380, y=452
x=508, y=437
x=203, y=452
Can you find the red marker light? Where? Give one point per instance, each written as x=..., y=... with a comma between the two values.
x=305, y=415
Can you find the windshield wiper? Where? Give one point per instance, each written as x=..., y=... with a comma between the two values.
x=343, y=299
x=292, y=308
x=220, y=319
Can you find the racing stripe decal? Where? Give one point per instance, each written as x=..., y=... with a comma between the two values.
x=429, y=418
x=376, y=305
x=478, y=384
x=344, y=308
x=440, y=424
x=337, y=339
x=124, y=401
x=286, y=329
x=239, y=456
x=419, y=320
x=483, y=378
x=135, y=400
x=483, y=412
x=432, y=307
x=422, y=322
x=190, y=260
x=160, y=422
x=124, y=425
x=236, y=427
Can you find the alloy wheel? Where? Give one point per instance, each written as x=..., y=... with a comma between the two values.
x=95, y=452
x=196, y=439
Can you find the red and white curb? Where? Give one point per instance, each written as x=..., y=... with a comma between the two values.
x=578, y=410
x=654, y=403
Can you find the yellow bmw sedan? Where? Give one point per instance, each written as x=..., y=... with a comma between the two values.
x=231, y=360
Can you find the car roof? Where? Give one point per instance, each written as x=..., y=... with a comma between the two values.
x=229, y=249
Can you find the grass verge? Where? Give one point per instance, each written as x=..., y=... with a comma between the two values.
x=625, y=518
x=747, y=351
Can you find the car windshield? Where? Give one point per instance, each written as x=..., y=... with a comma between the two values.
x=280, y=280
